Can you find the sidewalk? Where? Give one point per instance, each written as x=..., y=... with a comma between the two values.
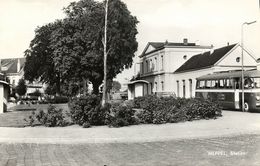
x=232, y=123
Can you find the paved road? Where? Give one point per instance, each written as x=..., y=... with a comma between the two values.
x=232, y=123
x=240, y=150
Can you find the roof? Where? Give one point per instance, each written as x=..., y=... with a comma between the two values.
x=231, y=74
x=138, y=81
x=160, y=45
x=205, y=60
x=11, y=64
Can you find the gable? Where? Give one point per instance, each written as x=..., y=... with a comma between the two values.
x=149, y=49
x=231, y=58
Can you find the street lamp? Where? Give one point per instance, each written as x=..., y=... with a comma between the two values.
x=242, y=60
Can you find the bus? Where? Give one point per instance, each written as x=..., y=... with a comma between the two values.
x=226, y=88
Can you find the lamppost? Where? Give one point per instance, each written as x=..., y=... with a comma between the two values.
x=242, y=59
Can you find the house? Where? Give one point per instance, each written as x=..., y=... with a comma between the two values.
x=13, y=69
x=4, y=91
x=172, y=68
x=157, y=63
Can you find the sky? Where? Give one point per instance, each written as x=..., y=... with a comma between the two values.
x=215, y=22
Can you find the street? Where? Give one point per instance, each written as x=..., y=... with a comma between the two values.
x=232, y=150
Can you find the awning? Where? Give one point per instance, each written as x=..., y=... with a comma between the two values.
x=137, y=81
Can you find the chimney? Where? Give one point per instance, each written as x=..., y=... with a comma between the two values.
x=18, y=65
x=185, y=41
x=227, y=43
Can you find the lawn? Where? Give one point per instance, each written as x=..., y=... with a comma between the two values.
x=16, y=114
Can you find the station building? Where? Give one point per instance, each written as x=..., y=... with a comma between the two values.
x=167, y=68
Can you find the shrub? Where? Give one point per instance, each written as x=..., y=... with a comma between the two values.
x=121, y=115
x=58, y=100
x=138, y=101
x=52, y=118
x=201, y=109
x=171, y=110
x=87, y=109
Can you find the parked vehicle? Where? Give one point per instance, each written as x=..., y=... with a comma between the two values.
x=226, y=88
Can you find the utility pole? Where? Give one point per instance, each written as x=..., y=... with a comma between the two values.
x=105, y=57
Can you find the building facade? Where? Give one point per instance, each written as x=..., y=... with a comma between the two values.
x=13, y=69
x=172, y=68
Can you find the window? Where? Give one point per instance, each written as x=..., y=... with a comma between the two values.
x=228, y=84
x=190, y=80
x=221, y=84
x=162, y=62
x=257, y=82
x=151, y=86
x=151, y=65
x=201, y=84
x=213, y=83
x=178, y=89
x=208, y=84
x=249, y=83
x=155, y=63
x=184, y=88
x=142, y=68
x=162, y=85
x=147, y=66
x=155, y=86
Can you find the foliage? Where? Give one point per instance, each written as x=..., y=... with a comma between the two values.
x=121, y=115
x=21, y=88
x=170, y=110
x=78, y=47
x=116, y=86
x=39, y=62
x=87, y=109
x=52, y=118
x=201, y=109
x=50, y=89
x=58, y=100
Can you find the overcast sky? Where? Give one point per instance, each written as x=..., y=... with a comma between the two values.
x=209, y=21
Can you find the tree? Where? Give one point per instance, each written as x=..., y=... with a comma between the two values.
x=78, y=43
x=39, y=57
x=116, y=86
x=21, y=88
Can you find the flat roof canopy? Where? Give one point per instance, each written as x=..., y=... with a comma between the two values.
x=138, y=81
x=230, y=74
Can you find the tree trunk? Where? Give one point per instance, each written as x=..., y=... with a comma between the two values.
x=105, y=59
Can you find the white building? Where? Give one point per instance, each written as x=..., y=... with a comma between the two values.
x=4, y=91
x=172, y=68
x=13, y=68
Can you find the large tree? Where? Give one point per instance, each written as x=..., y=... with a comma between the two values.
x=78, y=47
x=71, y=49
x=39, y=63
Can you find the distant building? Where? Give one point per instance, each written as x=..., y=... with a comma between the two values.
x=13, y=68
x=172, y=68
x=4, y=91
